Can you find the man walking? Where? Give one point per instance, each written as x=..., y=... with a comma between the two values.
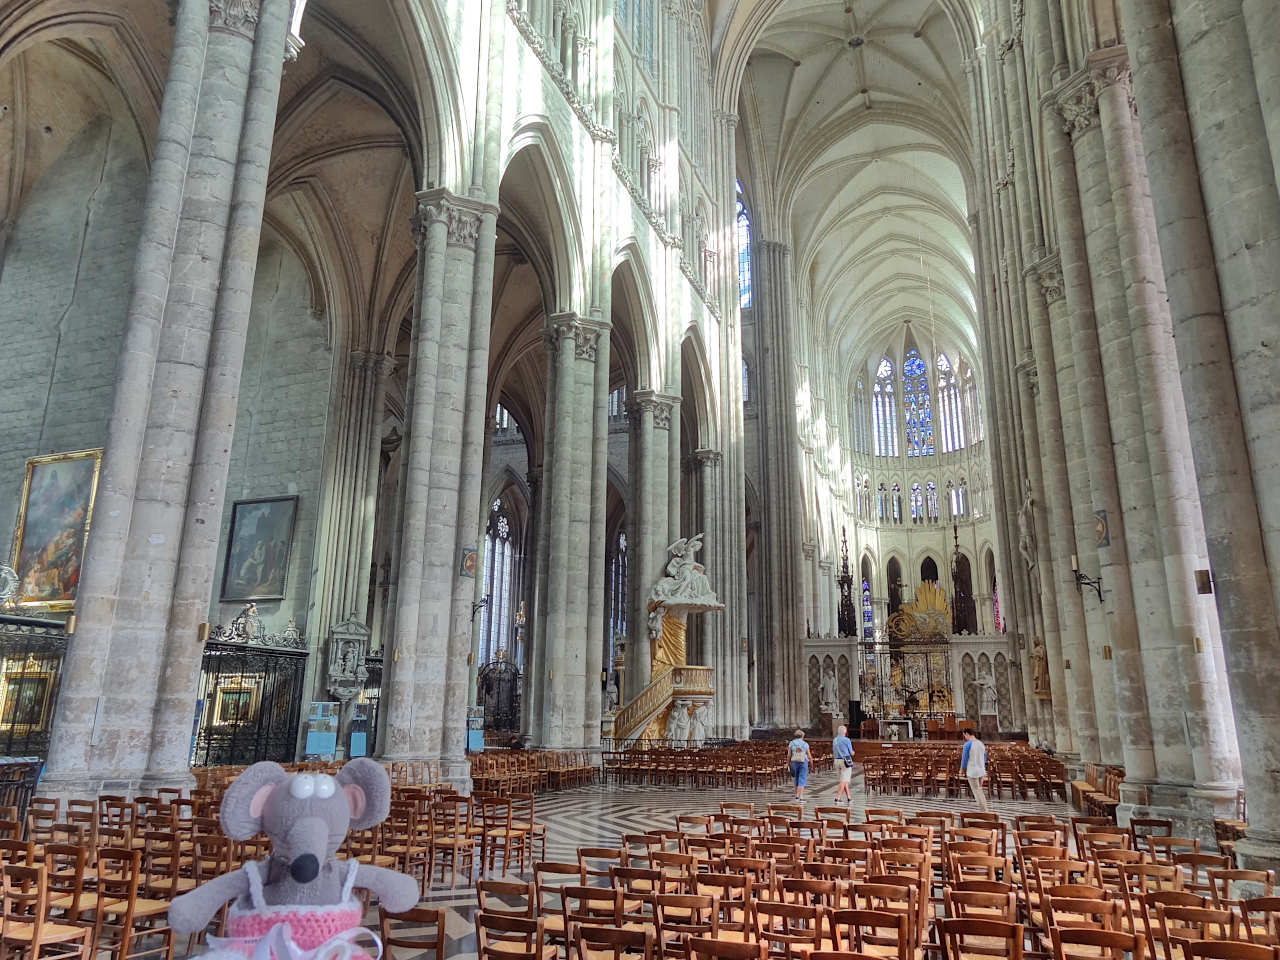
x=973, y=764
x=842, y=749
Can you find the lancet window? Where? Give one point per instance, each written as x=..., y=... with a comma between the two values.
x=885, y=410
x=917, y=410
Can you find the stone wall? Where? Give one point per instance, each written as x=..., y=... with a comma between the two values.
x=64, y=292
x=281, y=421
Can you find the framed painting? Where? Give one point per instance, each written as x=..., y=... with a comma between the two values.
x=258, y=548
x=237, y=702
x=26, y=701
x=53, y=527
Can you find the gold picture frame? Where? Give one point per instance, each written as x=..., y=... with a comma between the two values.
x=25, y=700
x=236, y=702
x=54, y=514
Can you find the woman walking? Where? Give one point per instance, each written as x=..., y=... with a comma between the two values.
x=973, y=764
x=800, y=758
x=842, y=748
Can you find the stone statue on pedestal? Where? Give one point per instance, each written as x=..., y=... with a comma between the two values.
x=829, y=693
x=684, y=590
x=1027, y=526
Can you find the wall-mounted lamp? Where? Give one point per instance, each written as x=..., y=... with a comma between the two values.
x=70, y=626
x=202, y=633
x=1199, y=645
x=1066, y=664
x=1106, y=651
x=1083, y=581
x=1204, y=582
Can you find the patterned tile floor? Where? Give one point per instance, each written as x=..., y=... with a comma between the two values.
x=600, y=815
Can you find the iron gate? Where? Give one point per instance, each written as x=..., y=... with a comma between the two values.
x=498, y=691
x=31, y=652
x=249, y=704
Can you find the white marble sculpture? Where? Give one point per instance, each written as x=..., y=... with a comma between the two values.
x=678, y=722
x=701, y=725
x=685, y=585
x=830, y=694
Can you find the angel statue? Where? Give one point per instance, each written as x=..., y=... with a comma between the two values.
x=685, y=589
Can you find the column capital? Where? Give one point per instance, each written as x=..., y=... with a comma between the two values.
x=707, y=457
x=1078, y=105
x=585, y=332
x=1109, y=67
x=239, y=17
x=1047, y=271
x=662, y=405
x=460, y=215
x=725, y=118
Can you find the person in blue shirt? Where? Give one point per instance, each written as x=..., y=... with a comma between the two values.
x=973, y=765
x=800, y=755
x=842, y=750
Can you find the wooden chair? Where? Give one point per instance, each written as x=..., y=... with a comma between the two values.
x=709, y=948
x=591, y=905
x=512, y=938
x=125, y=923
x=488, y=892
x=788, y=928
x=452, y=844
x=1222, y=885
x=522, y=818
x=871, y=931
x=680, y=916
x=550, y=880
x=595, y=942
x=965, y=937
x=26, y=922
x=1260, y=920
x=404, y=930
x=1195, y=868
x=1175, y=925
x=1095, y=944
x=499, y=836
x=1227, y=950
x=595, y=862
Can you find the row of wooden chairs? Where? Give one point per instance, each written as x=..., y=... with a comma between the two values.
x=532, y=771
x=754, y=765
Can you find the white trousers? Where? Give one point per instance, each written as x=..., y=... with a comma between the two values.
x=975, y=784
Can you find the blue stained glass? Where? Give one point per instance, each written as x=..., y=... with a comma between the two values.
x=914, y=366
x=916, y=407
x=868, y=617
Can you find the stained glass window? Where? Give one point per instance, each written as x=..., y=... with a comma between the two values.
x=860, y=444
x=995, y=607
x=897, y=503
x=885, y=411
x=917, y=410
x=743, y=232
x=501, y=586
x=868, y=616
x=931, y=499
x=917, y=503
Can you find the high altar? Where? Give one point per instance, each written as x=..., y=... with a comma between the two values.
x=677, y=703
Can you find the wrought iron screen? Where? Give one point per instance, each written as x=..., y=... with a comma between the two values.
x=498, y=691
x=906, y=678
x=249, y=704
x=31, y=655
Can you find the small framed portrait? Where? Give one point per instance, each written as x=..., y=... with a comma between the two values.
x=258, y=546
x=236, y=702
x=26, y=701
x=53, y=528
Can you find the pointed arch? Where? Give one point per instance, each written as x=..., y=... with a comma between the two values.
x=636, y=336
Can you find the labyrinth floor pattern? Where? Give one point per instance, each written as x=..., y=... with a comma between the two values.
x=600, y=815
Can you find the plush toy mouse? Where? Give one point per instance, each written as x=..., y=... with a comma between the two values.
x=296, y=904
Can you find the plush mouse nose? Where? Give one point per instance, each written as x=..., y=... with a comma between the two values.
x=305, y=868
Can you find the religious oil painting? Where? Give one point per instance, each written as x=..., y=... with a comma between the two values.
x=26, y=702
x=258, y=549
x=53, y=527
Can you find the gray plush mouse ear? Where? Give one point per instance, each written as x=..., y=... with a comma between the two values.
x=368, y=790
x=246, y=798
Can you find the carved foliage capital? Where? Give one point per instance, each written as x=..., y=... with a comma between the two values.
x=1079, y=108
x=1051, y=283
x=460, y=218
x=234, y=16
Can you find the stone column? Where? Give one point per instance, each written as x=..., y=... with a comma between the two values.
x=674, y=468
x=1181, y=681
x=431, y=231
x=1073, y=703
x=596, y=573
x=471, y=513
x=131, y=673
x=1082, y=255
x=1219, y=320
x=206, y=496
x=1262, y=27
x=651, y=499
x=780, y=670
x=74, y=733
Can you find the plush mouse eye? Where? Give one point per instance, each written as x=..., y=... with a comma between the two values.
x=326, y=786
x=302, y=787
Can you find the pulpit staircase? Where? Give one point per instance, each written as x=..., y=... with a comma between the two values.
x=645, y=716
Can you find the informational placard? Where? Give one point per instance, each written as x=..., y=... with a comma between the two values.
x=322, y=730
x=358, y=745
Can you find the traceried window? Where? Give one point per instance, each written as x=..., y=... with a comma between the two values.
x=897, y=503
x=917, y=503
x=950, y=418
x=742, y=232
x=746, y=382
x=501, y=586
x=916, y=408
x=860, y=439
x=885, y=411
x=618, y=403
x=931, y=499
x=972, y=408
x=959, y=504
x=883, y=497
